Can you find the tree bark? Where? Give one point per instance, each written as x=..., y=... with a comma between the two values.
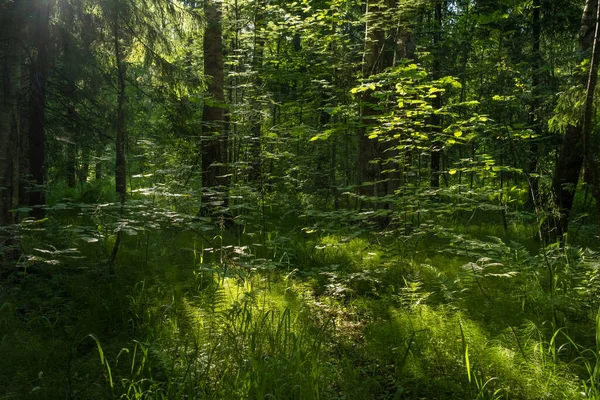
x=84, y=171
x=71, y=174
x=536, y=65
x=10, y=77
x=436, y=121
x=10, y=84
x=371, y=151
x=37, y=126
x=257, y=62
x=98, y=165
x=121, y=133
x=589, y=149
x=571, y=156
x=214, y=150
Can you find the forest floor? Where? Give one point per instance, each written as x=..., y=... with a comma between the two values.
x=461, y=313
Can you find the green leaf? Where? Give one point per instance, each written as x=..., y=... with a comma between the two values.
x=103, y=360
x=467, y=362
x=22, y=210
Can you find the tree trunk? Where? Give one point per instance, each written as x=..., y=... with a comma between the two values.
x=98, y=165
x=121, y=133
x=436, y=121
x=37, y=127
x=10, y=83
x=570, y=159
x=10, y=75
x=71, y=174
x=332, y=175
x=83, y=172
x=536, y=66
x=589, y=149
x=257, y=62
x=214, y=151
x=371, y=151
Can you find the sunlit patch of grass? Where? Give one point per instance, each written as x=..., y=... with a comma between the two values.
x=438, y=353
x=245, y=338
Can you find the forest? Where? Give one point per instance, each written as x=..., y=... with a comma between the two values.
x=309, y=199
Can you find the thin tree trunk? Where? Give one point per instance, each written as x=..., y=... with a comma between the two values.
x=37, y=127
x=121, y=133
x=436, y=121
x=536, y=66
x=332, y=174
x=71, y=165
x=83, y=172
x=214, y=151
x=98, y=166
x=257, y=62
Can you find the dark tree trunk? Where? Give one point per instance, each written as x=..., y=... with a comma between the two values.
x=37, y=129
x=436, y=121
x=214, y=150
x=590, y=151
x=121, y=133
x=404, y=48
x=10, y=82
x=536, y=66
x=71, y=165
x=571, y=156
x=98, y=166
x=83, y=172
x=69, y=91
x=332, y=174
x=371, y=151
x=257, y=62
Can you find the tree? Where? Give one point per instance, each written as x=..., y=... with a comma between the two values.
x=376, y=58
x=536, y=72
x=436, y=121
x=590, y=150
x=11, y=24
x=40, y=63
x=571, y=155
x=120, y=128
x=214, y=138
x=258, y=52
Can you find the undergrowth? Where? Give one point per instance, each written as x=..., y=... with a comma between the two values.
x=302, y=316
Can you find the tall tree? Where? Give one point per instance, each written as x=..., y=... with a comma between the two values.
x=11, y=24
x=214, y=140
x=571, y=156
x=257, y=62
x=590, y=151
x=536, y=72
x=375, y=60
x=40, y=63
x=120, y=128
x=436, y=120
